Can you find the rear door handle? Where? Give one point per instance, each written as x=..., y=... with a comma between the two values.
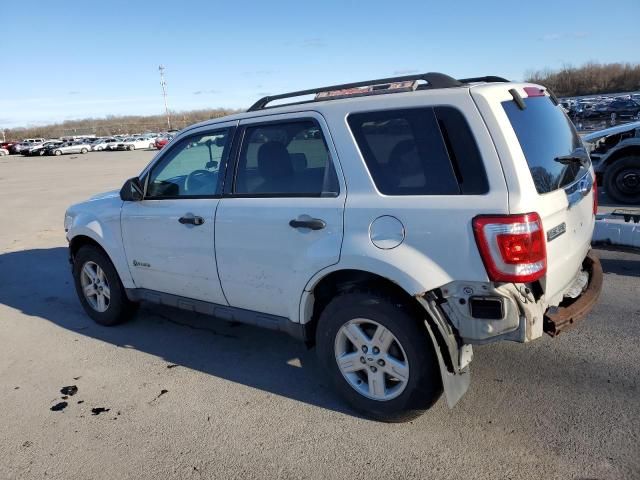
x=191, y=220
x=311, y=223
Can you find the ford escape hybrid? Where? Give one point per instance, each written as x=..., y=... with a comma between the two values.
x=392, y=223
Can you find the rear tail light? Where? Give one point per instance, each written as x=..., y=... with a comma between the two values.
x=512, y=247
x=595, y=196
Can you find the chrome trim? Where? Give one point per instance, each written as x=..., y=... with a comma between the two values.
x=579, y=189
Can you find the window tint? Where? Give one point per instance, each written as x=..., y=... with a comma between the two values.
x=407, y=154
x=545, y=133
x=190, y=168
x=285, y=159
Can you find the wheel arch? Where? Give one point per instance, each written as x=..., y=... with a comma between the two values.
x=89, y=237
x=625, y=151
x=455, y=381
x=324, y=288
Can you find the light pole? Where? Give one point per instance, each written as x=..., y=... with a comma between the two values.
x=163, y=83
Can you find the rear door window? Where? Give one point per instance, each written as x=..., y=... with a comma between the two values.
x=285, y=159
x=546, y=134
x=419, y=151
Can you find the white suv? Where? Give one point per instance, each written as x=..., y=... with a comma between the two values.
x=393, y=223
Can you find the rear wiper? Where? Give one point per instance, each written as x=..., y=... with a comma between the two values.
x=578, y=156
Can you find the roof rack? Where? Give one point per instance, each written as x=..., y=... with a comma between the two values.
x=433, y=79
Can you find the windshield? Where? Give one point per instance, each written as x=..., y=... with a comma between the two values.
x=546, y=135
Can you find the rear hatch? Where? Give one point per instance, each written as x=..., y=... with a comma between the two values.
x=547, y=171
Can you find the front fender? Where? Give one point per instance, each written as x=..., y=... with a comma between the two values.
x=105, y=231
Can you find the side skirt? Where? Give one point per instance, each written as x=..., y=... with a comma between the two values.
x=222, y=312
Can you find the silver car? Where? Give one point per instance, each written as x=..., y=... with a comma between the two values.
x=69, y=147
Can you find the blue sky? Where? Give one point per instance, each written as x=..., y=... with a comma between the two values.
x=65, y=60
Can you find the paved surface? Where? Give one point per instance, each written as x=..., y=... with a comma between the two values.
x=242, y=402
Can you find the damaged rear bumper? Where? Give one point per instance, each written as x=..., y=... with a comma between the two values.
x=565, y=316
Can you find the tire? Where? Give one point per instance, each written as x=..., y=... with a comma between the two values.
x=132, y=148
x=117, y=308
x=411, y=346
x=151, y=146
x=57, y=153
x=622, y=180
x=83, y=151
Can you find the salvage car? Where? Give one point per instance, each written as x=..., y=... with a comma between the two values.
x=68, y=147
x=137, y=143
x=103, y=143
x=615, y=154
x=3, y=152
x=392, y=223
x=41, y=149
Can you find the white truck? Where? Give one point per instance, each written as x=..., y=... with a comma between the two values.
x=392, y=223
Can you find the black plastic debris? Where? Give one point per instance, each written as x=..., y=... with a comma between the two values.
x=70, y=390
x=99, y=410
x=80, y=401
x=58, y=407
x=172, y=365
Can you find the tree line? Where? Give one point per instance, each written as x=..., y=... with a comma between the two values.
x=116, y=125
x=589, y=79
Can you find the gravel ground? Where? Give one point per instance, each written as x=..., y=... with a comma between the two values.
x=185, y=396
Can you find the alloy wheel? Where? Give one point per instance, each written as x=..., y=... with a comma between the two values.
x=95, y=286
x=371, y=359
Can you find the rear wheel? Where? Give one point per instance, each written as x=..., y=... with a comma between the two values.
x=622, y=180
x=58, y=152
x=83, y=151
x=151, y=146
x=378, y=356
x=131, y=147
x=99, y=287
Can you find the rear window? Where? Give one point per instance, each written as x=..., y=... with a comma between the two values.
x=419, y=151
x=545, y=133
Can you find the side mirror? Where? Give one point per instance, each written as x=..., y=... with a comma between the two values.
x=132, y=190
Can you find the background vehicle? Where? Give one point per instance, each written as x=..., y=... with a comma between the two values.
x=615, y=153
x=103, y=143
x=161, y=141
x=68, y=147
x=8, y=145
x=41, y=149
x=394, y=231
x=136, y=143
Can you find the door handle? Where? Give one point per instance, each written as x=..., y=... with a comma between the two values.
x=191, y=220
x=311, y=223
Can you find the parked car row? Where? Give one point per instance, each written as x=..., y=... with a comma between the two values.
x=625, y=106
x=41, y=146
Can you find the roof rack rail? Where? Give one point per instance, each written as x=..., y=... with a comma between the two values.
x=488, y=79
x=433, y=79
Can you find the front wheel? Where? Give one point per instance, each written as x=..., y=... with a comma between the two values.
x=131, y=147
x=622, y=180
x=378, y=356
x=151, y=146
x=83, y=151
x=58, y=152
x=99, y=287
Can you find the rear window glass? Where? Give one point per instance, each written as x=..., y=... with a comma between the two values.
x=545, y=133
x=420, y=151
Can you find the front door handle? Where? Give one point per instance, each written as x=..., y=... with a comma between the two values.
x=191, y=220
x=311, y=223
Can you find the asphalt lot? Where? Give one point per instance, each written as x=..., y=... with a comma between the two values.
x=243, y=402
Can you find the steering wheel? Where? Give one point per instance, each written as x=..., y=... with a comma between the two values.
x=196, y=180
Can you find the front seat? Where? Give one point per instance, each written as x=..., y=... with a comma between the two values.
x=275, y=168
